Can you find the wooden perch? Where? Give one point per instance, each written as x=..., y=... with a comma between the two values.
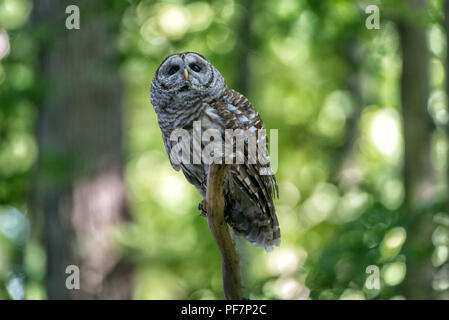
x=217, y=224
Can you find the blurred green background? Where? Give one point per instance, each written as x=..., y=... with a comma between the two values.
x=362, y=118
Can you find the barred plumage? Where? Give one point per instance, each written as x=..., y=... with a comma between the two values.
x=188, y=88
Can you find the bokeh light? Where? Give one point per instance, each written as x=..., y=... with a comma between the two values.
x=313, y=72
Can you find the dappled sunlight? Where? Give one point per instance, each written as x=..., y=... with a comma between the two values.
x=436, y=40
x=290, y=194
x=441, y=279
x=437, y=73
x=201, y=16
x=21, y=76
x=287, y=50
x=153, y=177
x=351, y=294
x=391, y=193
x=290, y=220
x=384, y=133
x=286, y=288
x=311, y=174
x=15, y=286
x=392, y=243
x=438, y=107
x=13, y=224
x=286, y=8
x=393, y=273
x=286, y=260
x=173, y=192
x=4, y=45
x=14, y=13
x=321, y=204
x=440, y=239
x=332, y=89
x=14, y=231
x=440, y=236
x=440, y=255
x=203, y=294
x=158, y=284
x=352, y=204
x=395, y=238
x=290, y=288
x=174, y=20
x=337, y=108
x=221, y=40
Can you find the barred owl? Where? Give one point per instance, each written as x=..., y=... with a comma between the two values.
x=187, y=88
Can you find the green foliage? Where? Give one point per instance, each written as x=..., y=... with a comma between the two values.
x=318, y=75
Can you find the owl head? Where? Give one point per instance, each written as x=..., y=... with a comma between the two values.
x=184, y=77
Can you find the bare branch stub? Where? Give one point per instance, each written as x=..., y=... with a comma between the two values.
x=217, y=224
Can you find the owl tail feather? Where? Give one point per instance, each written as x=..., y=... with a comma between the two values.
x=258, y=229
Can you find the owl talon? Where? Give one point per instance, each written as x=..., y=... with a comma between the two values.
x=202, y=206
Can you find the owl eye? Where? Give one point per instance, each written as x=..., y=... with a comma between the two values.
x=173, y=70
x=195, y=67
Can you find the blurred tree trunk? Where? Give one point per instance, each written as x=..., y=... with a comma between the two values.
x=79, y=187
x=242, y=78
x=419, y=178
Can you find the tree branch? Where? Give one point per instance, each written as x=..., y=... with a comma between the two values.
x=217, y=224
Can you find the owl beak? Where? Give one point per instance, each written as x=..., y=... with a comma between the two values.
x=186, y=74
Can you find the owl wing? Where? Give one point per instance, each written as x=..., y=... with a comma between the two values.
x=237, y=112
x=168, y=145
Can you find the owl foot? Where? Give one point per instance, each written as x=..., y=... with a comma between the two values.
x=202, y=206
